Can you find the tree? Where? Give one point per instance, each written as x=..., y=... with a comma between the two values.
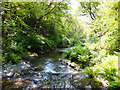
x=29, y=26
x=89, y=7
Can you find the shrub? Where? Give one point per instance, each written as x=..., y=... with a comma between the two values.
x=106, y=70
x=79, y=53
x=13, y=58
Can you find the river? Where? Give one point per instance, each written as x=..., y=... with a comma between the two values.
x=47, y=71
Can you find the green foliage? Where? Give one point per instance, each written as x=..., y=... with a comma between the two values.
x=114, y=85
x=106, y=70
x=85, y=6
x=89, y=71
x=83, y=58
x=105, y=27
x=35, y=27
x=102, y=38
x=14, y=58
x=79, y=53
x=89, y=7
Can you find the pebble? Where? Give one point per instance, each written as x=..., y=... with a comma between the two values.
x=9, y=69
x=88, y=87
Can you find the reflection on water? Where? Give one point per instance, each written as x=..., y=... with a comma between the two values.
x=47, y=72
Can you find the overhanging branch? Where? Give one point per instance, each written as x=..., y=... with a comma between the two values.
x=48, y=12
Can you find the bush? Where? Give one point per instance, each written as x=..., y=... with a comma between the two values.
x=106, y=70
x=13, y=58
x=79, y=53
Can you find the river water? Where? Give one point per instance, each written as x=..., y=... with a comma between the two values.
x=47, y=71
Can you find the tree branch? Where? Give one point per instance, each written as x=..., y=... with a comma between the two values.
x=90, y=11
x=47, y=12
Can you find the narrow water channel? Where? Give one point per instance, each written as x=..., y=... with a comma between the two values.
x=48, y=71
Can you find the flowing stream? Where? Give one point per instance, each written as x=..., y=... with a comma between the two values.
x=47, y=71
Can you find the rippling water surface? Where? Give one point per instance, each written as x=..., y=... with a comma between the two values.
x=47, y=71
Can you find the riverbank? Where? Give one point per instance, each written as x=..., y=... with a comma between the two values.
x=46, y=68
x=53, y=64
x=9, y=70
